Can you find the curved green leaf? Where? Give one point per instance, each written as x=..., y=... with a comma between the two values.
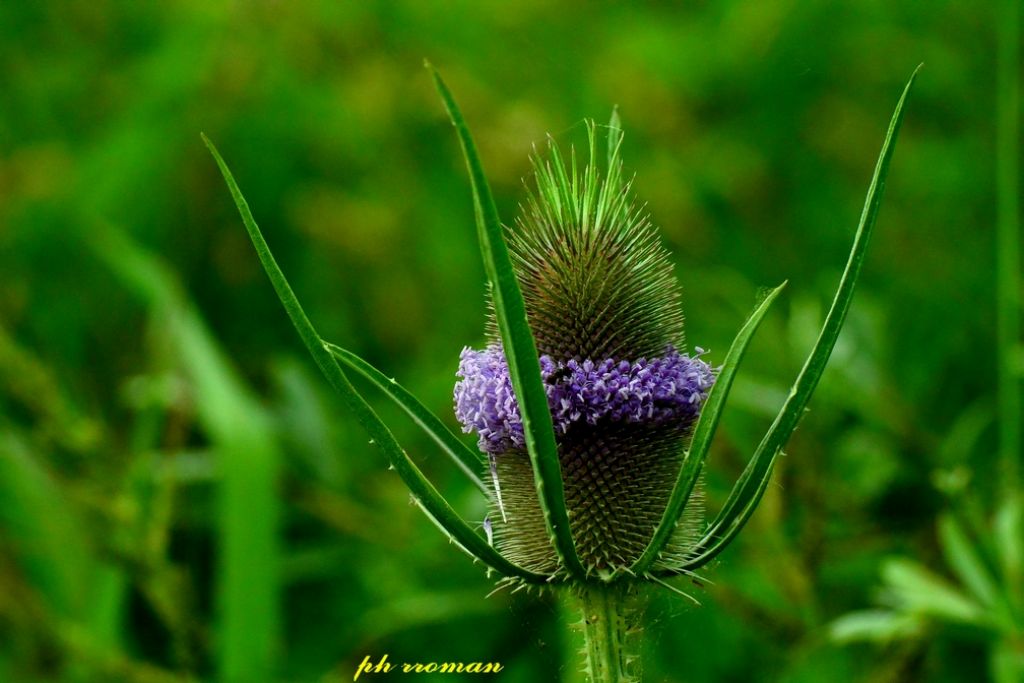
x=914, y=589
x=520, y=348
x=877, y=625
x=467, y=460
x=422, y=490
x=703, y=433
x=966, y=562
x=1008, y=270
x=753, y=480
x=1008, y=534
x=760, y=471
x=42, y=531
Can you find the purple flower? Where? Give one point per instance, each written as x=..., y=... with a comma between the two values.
x=667, y=390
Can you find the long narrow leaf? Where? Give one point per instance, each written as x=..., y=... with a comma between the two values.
x=915, y=589
x=42, y=531
x=703, y=433
x=1008, y=272
x=750, y=482
x=467, y=460
x=732, y=527
x=1008, y=534
x=877, y=625
x=520, y=349
x=965, y=561
x=423, y=491
x=248, y=459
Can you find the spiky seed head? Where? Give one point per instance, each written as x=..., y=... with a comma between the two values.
x=604, y=308
x=595, y=279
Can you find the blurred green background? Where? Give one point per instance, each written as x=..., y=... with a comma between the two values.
x=181, y=496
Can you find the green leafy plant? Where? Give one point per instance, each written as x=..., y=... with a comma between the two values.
x=609, y=592
x=916, y=602
x=984, y=552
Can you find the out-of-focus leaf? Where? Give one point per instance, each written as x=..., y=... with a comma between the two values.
x=44, y=531
x=968, y=565
x=1009, y=543
x=964, y=435
x=915, y=590
x=1008, y=267
x=1006, y=662
x=879, y=625
x=248, y=458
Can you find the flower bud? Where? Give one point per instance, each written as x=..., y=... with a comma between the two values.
x=604, y=309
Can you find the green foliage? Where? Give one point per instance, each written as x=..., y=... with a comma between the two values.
x=751, y=485
x=984, y=599
x=469, y=461
x=520, y=348
x=597, y=283
x=703, y=432
x=246, y=453
x=424, y=493
x=750, y=129
x=983, y=555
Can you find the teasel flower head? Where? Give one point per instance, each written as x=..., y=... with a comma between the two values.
x=594, y=420
x=604, y=309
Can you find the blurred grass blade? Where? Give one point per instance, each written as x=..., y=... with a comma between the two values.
x=467, y=460
x=1009, y=543
x=963, y=558
x=914, y=589
x=750, y=482
x=248, y=456
x=1006, y=661
x=881, y=625
x=43, y=531
x=422, y=490
x=1008, y=266
x=519, y=346
x=703, y=434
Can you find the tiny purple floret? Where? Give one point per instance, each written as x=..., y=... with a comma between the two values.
x=665, y=390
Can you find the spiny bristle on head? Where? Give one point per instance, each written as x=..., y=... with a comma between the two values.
x=595, y=279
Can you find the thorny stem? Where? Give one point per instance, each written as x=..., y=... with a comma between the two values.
x=611, y=630
x=1008, y=242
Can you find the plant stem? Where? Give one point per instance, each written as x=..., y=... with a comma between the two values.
x=1008, y=242
x=611, y=631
